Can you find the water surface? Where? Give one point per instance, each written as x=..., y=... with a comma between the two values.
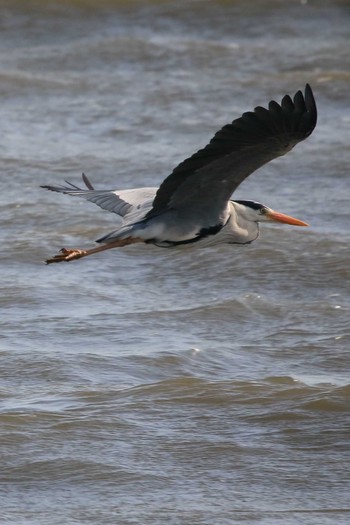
x=150, y=386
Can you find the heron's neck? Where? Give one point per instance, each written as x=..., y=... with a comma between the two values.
x=242, y=228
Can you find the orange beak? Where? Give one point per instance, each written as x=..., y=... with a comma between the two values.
x=286, y=219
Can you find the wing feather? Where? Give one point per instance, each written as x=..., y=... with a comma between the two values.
x=121, y=202
x=209, y=177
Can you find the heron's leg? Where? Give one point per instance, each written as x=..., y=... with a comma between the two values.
x=70, y=255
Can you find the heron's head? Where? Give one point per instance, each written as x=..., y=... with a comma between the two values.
x=256, y=212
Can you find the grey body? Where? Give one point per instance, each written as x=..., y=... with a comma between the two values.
x=193, y=203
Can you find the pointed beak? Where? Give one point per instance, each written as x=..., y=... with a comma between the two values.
x=286, y=219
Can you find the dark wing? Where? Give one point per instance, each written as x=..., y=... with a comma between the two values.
x=210, y=176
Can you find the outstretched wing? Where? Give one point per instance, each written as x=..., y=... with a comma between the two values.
x=208, y=178
x=121, y=202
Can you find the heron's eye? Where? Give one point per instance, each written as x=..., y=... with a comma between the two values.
x=263, y=211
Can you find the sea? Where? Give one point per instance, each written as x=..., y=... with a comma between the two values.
x=152, y=386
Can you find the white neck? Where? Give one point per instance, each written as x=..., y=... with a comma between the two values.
x=242, y=226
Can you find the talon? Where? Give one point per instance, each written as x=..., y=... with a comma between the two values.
x=66, y=255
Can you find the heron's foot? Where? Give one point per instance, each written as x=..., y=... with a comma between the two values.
x=66, y=255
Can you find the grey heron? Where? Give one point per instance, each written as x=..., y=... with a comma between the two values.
x=193, y=204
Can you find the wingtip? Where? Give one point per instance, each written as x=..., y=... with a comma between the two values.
x=87, y=182
x=311, y=103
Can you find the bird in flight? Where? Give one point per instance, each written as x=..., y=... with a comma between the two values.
x=193, y=204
